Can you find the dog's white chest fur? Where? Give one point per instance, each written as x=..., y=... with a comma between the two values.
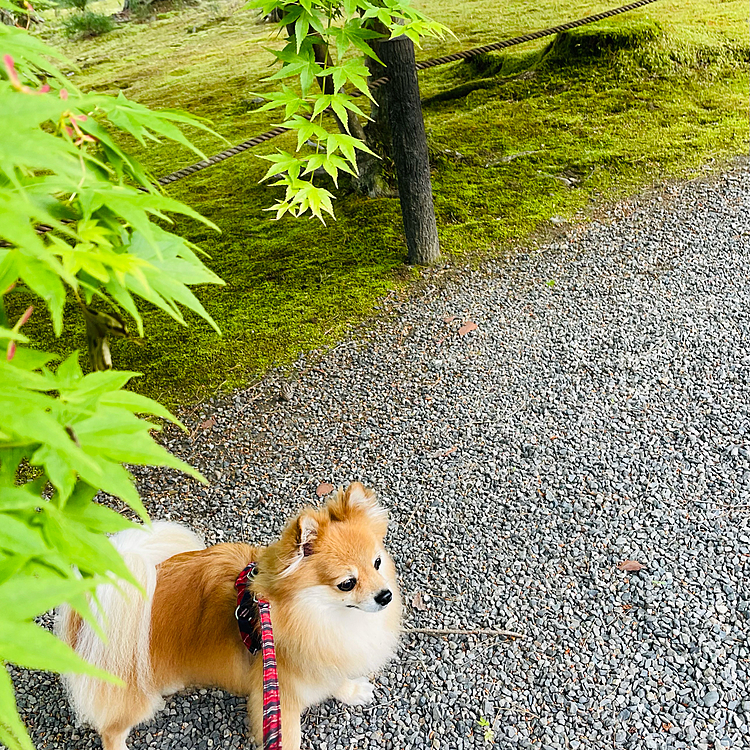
x=350, y=643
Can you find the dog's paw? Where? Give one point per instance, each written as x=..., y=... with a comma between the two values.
x=356, y=692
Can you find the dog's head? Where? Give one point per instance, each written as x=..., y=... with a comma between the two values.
x=336, y=554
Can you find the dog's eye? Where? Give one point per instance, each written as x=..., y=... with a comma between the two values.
x=377, y=564
x=348, y=584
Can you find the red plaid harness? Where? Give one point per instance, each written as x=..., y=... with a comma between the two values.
x=254, y=620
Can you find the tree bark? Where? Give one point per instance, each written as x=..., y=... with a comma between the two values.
x=376, y=175
x=274, y=16
x=410, y=156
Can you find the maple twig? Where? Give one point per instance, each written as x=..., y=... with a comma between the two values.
x=457, y=631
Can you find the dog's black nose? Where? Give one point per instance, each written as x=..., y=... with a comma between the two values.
x=383, y=597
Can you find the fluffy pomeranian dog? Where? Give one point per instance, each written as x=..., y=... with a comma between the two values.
x=335, y=607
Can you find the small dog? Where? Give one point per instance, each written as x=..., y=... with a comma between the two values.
x=335, y=606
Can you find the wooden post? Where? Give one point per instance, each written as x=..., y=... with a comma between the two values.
x=410, y=150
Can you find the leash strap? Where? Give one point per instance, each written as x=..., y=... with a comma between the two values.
x=254, y=620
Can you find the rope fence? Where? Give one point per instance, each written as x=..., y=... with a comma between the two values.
x=424, y=65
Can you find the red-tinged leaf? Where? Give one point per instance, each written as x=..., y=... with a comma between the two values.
x=467, y=327
x=418, y=603
x=324, y=489
x=630, y=566
x=449, y=318
x=208, y=424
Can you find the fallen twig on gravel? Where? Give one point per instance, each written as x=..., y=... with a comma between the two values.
x=457, y=631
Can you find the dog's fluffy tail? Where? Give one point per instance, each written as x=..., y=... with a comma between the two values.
x=124, y=614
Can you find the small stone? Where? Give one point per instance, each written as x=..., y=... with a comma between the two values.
x=711, y=698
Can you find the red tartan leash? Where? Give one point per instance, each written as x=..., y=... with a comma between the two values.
x=254, y=620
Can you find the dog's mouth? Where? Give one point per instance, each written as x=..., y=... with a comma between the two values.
x=369, y=610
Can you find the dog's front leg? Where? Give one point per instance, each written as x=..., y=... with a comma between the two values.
x=356, y=692
x=291, y=734
x=291, y=731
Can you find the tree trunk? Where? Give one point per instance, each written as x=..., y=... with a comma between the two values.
x=274, y=16
x=377, y=175
x=410, y=151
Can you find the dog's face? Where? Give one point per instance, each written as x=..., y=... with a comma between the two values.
x=353, y=565
x=335, y=557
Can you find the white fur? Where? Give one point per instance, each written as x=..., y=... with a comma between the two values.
x=369, y=605
x=357, y=692
x=365, y=500
x=365, y=642
x=124, y=614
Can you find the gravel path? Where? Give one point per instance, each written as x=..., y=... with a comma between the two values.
x=599, y=412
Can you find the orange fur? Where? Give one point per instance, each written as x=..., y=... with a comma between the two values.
x=327, y=640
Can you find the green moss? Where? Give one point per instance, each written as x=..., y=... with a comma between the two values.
x=291, y=286
x=547, y=129
x=602, y=39
x=584, y=119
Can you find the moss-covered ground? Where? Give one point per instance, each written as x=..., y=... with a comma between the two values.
x=546, y=130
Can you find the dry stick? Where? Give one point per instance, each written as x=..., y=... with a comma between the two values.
x=457, y=631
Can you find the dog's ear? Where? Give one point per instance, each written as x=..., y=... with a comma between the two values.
x=307, y=533
x=304, y=533
x=359, y=498
x=356, y=500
